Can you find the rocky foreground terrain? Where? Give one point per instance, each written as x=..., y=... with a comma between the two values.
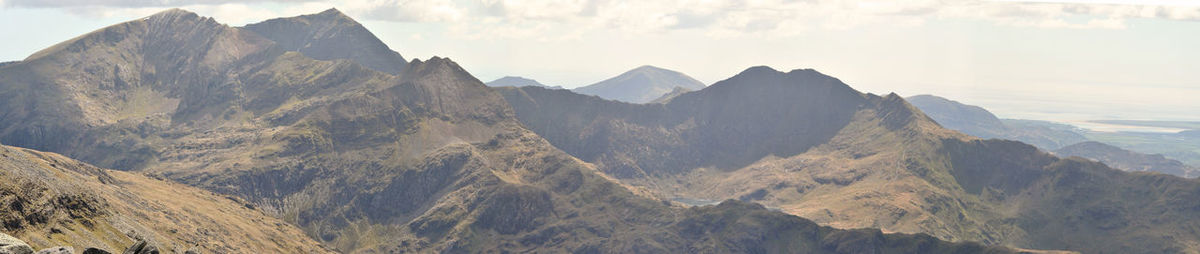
x=51, y=201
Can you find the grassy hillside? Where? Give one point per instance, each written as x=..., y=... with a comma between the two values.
x=51, y=200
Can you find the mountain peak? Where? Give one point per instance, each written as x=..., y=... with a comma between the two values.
x=173, y=12
x=641, y=85
x=331, y=35
x=332, y=12
x=647, y=68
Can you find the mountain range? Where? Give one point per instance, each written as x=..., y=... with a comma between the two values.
x=1128, y=160
x=640, y=85
x=312, y=121
x=977, y=121
x=809, y=145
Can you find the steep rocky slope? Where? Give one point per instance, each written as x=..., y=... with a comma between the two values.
x=50, y=200
x=810, y=145
x=331, y=35
x=640, y=85
x=429, y=160
x=977, y=121
x=1128, y=160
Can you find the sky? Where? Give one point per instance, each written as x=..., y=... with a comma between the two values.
x=1064, y=60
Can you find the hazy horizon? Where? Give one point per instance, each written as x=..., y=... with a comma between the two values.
x=1066, y=61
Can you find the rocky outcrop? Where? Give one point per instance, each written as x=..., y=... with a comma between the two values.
x=12, y=245
x=51, y=200
x=91, y=250
x=141, y=247
x=57, y=250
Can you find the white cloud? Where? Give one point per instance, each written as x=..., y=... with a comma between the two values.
x=568, y=19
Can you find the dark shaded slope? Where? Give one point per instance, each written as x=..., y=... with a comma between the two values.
x=107, y=81
x=331, y=35
x=1077, y=204
x=711, y=127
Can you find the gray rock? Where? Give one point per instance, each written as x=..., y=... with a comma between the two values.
x=95, y=251
x=57, y=250
x=12, y=245
x=141, y=247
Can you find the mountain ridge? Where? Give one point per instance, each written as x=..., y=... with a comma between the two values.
x=1128, y=160
x=330, y=35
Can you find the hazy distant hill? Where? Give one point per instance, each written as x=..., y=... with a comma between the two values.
x=514, y=81
x=810, y=145
x=641, y=85
x=674, y=93
x=979, y=122
x=1128, y=160
x=976, y=121
x=424, y=160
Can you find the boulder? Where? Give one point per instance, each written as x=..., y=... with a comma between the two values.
x=57, y=250
x=95, y=251
x=12, y=245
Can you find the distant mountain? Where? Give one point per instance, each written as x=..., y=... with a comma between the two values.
x=514, y=81
x=811, y=146
x=2, y=64
x=640, y=85
x=426, y=160
x=50, y=200
x=976, y=121
x=674, y=93
x=331, y=35
x=1128, y=160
